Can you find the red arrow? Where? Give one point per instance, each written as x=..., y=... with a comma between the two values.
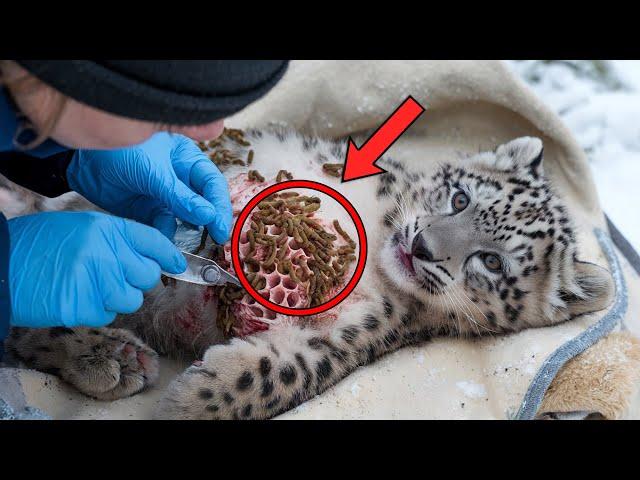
x=361, y=162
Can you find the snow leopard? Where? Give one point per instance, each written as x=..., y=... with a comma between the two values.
x=477, y=245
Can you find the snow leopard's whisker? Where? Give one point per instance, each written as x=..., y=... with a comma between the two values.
x=393, y=221
x=454, y=310
x=468, y=301
x=456, y=314
x=401, y=207
x=464, y=301
x=465, y=310
x=476, y=307
x=397, y=221
x=404, y=207
x=407, y=216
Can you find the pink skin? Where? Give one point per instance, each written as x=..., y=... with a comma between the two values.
x=143, y=360
x=406, y=260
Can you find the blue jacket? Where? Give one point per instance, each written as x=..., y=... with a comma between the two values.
x=42, y=170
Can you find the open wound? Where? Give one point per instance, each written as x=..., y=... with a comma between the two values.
x=291, y=255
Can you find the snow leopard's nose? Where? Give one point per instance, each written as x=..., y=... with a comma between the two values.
x=420, y=250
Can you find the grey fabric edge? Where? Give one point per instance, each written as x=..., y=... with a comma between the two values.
x=552, y=365
x=12, y=399
x=624, y=246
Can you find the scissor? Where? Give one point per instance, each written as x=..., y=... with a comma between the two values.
x=203, y=272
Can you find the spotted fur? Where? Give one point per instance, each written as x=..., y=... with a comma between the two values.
x=426, y=276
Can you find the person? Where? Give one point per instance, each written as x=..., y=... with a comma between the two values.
x=121, y=134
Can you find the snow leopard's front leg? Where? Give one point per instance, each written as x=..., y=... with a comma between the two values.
x=269, y=373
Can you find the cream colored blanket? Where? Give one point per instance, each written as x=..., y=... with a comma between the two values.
x=471, y=106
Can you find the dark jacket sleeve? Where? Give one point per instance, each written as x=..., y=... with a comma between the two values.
x=44, y=175
x=5, y=300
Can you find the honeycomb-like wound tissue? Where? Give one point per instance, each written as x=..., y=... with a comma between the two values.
x=279, y=287
x=287, y=288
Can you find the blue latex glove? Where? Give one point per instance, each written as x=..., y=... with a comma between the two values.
x=165, y=177
x=81, y=268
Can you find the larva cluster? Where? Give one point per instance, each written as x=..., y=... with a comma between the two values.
x=297, y=246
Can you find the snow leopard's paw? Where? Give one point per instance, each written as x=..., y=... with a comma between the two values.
x=104, y=363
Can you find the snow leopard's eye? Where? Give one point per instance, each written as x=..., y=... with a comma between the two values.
x=492, y=262
x=460, y=201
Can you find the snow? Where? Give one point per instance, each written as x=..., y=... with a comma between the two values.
x=599, y=100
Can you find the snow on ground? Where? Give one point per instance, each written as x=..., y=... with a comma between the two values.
x=599, y=100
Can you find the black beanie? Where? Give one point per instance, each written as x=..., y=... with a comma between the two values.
x=177, y=92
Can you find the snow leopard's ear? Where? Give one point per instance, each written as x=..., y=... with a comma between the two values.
x=592, y=290
x=523, y=155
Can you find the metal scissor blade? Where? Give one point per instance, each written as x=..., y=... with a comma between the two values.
x=203, y=271
x=222, y=275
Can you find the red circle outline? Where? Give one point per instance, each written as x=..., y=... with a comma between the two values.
x=362, y=240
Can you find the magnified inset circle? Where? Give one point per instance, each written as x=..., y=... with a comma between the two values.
x=286, y=309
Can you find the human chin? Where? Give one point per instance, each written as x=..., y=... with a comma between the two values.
x=202, y=133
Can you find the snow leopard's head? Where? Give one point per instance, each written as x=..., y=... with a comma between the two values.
x=487, y=244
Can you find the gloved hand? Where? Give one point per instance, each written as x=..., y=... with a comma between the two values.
x=165, y=177
x=81, y=268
